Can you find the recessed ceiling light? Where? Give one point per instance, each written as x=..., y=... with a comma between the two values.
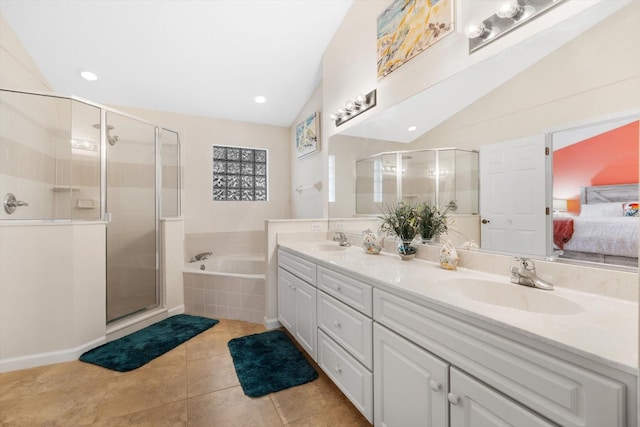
x=88, y=75
x=260, y=99
x=412, y=128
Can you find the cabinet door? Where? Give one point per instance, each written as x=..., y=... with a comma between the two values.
x=305, y=324
x=474, y=404
x=410, y=384
x=286, y=301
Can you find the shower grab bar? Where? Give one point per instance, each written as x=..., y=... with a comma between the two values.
x=11, y=203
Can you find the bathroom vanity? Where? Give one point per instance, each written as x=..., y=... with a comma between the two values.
x=412, y=344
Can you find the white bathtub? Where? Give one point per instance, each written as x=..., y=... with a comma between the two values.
x=231, y=287
x=249, y=266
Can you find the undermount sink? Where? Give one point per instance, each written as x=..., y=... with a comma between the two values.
x=328, y=247
x=512, y=296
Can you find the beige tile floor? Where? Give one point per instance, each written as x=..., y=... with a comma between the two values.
x=194, y=384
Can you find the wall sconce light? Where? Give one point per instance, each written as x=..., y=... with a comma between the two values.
x=352, y=108
x=511, y=15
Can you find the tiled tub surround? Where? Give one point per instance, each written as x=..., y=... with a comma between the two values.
x=231, y=294
x=599, y=333
x=229, y=287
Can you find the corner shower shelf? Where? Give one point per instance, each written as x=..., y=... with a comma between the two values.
x=62, y=188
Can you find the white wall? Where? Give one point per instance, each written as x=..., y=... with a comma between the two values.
x=197, y=136
x=349, y=65
x=52, y=287
x=310, y=169
x=17, y=70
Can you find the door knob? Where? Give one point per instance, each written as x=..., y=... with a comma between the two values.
x=485, y=221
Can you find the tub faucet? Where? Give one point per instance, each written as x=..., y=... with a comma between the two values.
x=200, y=257
x=341, y=239
x=526, y=275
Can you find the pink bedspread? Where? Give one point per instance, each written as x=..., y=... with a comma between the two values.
x=562, y=231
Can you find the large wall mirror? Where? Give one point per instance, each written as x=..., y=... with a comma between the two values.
x=582, y=94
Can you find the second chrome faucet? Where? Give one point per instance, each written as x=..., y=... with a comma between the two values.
x=525, y=274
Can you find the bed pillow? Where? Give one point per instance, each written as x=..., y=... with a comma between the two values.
x=630, y=209
x=601, y=210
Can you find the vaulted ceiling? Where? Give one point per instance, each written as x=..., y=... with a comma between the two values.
x=200, y=57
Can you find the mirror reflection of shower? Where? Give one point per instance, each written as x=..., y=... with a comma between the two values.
x=111, y=139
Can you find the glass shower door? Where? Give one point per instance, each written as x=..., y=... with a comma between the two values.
x=132, y=263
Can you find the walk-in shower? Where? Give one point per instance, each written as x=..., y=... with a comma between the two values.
x=69, y=161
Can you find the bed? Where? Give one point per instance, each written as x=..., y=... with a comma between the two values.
x=607, y=228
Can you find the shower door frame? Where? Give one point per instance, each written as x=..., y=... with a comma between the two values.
x=160, y=291
x=106, y=216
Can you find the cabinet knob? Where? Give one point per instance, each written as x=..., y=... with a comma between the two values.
x=338, y=288
x=338, y=369
x=337, y=324
x=435, y=386
x=453, y=398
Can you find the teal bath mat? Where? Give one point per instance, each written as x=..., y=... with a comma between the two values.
x=136, y=349
x=269, y=362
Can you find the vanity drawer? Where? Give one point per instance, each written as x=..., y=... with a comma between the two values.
x=565, y=393
x=353, y=292
x=350, y=328
x=355, y=381
x=302, y=268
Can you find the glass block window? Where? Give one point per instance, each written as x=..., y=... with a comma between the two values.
x=239, y=173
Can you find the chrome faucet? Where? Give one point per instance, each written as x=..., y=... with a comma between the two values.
x=526, y=275
x=200, y=257
x=341, y=239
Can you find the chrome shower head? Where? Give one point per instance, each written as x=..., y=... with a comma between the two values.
x=110, y=139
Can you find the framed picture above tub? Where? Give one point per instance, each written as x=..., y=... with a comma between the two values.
x=308, y=135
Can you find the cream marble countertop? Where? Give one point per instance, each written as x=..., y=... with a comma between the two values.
x=596, y=327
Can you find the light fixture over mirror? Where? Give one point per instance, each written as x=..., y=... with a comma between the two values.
x=353, y=108
x=511, y=15
x=571, y=83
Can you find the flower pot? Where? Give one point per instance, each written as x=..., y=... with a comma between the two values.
x=406, y=251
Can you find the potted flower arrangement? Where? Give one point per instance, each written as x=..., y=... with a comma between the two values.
x=433, y=222
x=402, y=221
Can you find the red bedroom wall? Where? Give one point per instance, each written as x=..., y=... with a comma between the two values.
x=609, y=158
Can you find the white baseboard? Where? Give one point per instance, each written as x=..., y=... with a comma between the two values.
x=271, y=324
x=176, y=310
x=49, y=358
x=127, y=326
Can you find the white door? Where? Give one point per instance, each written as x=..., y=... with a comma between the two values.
x=305, y=317
x=474, y=404
x=410, y=384
x=513, y=198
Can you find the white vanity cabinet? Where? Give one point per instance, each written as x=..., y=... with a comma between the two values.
x=404, y=360
x=297, y=300
x=345, y=336
x=410, y=384
x=542, y=389
x=473, y=404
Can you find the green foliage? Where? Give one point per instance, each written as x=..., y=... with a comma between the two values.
x=401, y=220
x=406, y=220
x=433, y=222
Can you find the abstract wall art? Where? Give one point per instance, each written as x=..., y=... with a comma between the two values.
x=408, y=27
x=308, y=135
